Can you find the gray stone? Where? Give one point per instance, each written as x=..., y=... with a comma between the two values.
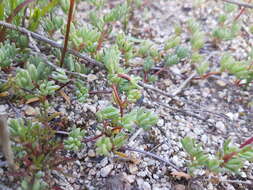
x=106, y=170
x=91, y=153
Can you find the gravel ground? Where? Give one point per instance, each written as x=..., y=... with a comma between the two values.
x=208, y=110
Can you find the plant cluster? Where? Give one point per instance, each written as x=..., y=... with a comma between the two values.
x=33, y=80
x=229, y=159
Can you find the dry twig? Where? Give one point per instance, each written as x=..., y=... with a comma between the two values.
x=50, y=42
x=153, y=156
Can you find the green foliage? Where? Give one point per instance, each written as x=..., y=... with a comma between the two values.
x=193, y=26
x=172, y=60
x=52, y=25
x=133, y=95
x=97, y=3
x=60, y=76
x=182, y=52
x=74, y=141
x=24, y=79
x=48, y=88
x=148, y=64
x=8, y=53
x=116, y=13
x=125, y=46
x=229, y=158
x=138, y=117
x=108, y=112
x=37, y=151
x=147, y=48
x=241, y=69
x=37, y=184
x=222, y=18
x=111, y=60
x=172, y=42
x=82, y=92
x=29, y=79
x=73, y=65
x=28, y=132
x=228, y=7
x=85, y=38
x=104, y=146
x=202, y=68
x=145, y=118
x=38, y=13
x=197, y=40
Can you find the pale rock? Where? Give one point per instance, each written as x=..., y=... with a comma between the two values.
x=160, y=122
x=129, y=178
x=179, y=187
x=220, y=126
x=232, y=116
x=92, y=108
x=29, y=110
x=3, y=108
x=143, y=185
x=92, y=172
x=92, y=77
x=104, y=162
x=167, y=82
x=91, y=153
x=175, y=70
x=221, y=83
x=142, y=174
x=106, y=170
x=133, y=169
x=230, y=187
x=155, y=176
x=243, y=174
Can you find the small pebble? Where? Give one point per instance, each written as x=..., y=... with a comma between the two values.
x=106, y=170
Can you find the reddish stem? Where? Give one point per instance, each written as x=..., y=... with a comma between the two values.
x=241, y=12
x=247, y=142
x=206, y=75
x=101, y=39
x=161, y=70
x=228, y=157
x=93, y=138
x=118, y=99
x=145, y=77
x=100, y=92
x=71, y=9
x=124, y=76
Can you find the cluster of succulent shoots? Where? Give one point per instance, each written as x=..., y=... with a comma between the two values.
x=119, y=121
x=228, y=159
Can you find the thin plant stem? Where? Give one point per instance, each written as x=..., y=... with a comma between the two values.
x=71, y=9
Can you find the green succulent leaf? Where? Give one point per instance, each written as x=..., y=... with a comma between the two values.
x=145, y=118
x=60, y=75
x=74, y=141
x=108, y=112
x=104, y=146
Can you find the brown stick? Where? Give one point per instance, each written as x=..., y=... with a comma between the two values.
x=51, y=42
x=71, y=8
x=153, y=156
